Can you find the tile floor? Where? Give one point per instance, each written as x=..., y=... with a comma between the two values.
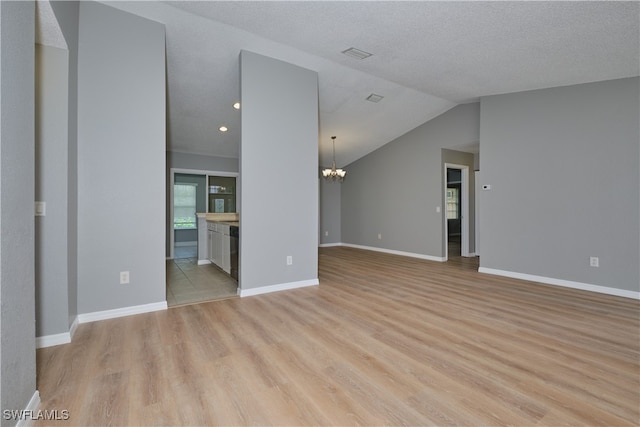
x=455, y=246
x=188, y=282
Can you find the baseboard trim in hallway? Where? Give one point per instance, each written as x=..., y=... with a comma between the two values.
x=279, y=287
x=121, y=312
x=394, y=252
x=53, y=340
x=30, y=413
x=563, y=283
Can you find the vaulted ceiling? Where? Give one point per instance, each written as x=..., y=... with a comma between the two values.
x=426, y=58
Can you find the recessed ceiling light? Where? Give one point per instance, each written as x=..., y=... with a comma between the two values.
x=236, y=105
x=356, y=53
x=223, y=128
x=374, y=97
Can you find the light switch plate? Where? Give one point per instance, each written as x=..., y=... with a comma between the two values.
x=41, y=208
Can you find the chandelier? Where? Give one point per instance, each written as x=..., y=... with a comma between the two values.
x=334, y=174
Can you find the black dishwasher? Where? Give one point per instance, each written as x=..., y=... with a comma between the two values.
x=234, y=234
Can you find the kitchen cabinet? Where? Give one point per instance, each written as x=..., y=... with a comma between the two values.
x=214, y=242
x=219, y=245
x=210, y=252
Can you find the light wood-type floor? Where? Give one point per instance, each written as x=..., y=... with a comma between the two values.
x=384, y=340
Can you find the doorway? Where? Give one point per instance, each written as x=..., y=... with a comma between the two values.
x=456, y=211
x=191, y=192
x=453, y=211
x=203, y=192
x=189, y=197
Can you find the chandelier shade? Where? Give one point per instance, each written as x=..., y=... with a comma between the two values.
x=334, y=174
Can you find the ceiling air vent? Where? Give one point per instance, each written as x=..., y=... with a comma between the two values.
x=374, y=97
x=356, y=53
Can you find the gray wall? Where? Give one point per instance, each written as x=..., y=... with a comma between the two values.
x=330, y=209
x=201, y=162
x=395, y=190
x=563, y=166
x=51, y=266
x=279, y=169
x=17, y=281
x=121, y=159
x=67, y=14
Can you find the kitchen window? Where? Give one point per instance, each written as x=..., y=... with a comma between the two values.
x=452, y=203
x=184, y=206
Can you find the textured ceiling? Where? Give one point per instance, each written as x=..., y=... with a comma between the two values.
x=427, y=57
x=48, y=32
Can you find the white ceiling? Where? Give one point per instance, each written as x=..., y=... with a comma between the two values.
x=427, y=58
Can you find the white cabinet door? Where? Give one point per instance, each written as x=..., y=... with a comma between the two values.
x=219, y=245
x=210, y=245
x=216, y=248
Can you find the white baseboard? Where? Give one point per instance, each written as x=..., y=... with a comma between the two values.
x=278, y=287
x=394, y=252
x=329, y=245
x=121, y=312
x=203, y=261
x=57, y=339
x=73, y=327
x=28, y=415
x=53, y=340
x=564, y=283
x=193, y=243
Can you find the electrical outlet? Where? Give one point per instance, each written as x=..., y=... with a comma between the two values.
x=379, y=236
x=124, y=277
x=289, y=260
x=326, y=233
x=594, y=261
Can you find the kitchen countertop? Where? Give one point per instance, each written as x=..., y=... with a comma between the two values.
x=229, y=218
x=231, y=223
